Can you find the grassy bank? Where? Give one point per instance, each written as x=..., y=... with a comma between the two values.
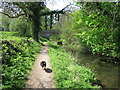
x=18, y=55
x=67, y=73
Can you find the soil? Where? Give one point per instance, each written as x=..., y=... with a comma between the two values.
x=39, y=78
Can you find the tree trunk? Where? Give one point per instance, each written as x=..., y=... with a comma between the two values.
x=36, y=25
x=35, y=31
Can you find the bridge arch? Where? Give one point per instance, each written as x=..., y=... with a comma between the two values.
x=47, y=33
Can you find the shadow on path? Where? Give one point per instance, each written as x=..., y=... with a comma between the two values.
x=48, y=70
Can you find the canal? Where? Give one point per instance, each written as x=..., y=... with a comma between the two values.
x=106, y=73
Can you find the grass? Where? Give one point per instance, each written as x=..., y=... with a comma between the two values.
x=67, y=73
x=18, y=55
x=11, y=36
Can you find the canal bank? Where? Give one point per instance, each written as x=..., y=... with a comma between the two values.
x=107, y=73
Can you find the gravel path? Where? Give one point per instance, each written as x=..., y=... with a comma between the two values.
x=39, y=78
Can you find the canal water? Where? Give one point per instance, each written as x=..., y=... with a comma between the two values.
x=106, y=73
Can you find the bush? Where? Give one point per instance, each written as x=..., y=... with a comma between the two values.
x=21, y=25
x=43, y=39
x=97, y=29
x=18, y=56
x=5, y=22
x=55, y=38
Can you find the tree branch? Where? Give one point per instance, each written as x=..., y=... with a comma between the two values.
x=55, y=11
x=51, y=12
x=66, y=7
x=12, y=16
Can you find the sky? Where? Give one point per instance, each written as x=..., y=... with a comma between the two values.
x=57, y=4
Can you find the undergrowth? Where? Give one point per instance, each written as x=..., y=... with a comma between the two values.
x=18, y=55
x=67, y=73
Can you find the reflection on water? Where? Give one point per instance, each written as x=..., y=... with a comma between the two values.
x=105, y=72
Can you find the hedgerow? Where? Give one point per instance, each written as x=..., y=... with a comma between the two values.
x=18, y=55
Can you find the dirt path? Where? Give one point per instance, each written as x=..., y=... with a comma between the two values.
x=39, y=78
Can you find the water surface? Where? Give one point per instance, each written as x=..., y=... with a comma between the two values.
x=107, y=73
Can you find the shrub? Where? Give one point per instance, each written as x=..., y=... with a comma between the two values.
x=21, y=25
x=18, y=56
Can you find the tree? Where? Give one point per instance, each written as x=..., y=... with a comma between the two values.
x=5, y=22
x=33, y=11
x=98, y=27
x=20, y=25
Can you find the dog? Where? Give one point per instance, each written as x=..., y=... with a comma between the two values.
x=43, y=64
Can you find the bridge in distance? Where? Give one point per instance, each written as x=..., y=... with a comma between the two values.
x=47, y=33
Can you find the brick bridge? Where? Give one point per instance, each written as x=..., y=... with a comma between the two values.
x=47, y=33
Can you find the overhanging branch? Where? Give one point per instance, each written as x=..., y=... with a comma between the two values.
x=66, y=7
x=12, y=16
x=51, y=12
x=55, y=11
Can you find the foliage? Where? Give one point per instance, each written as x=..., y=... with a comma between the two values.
x=67, y=73
x=67, y=34
x=43, y=39
x=21, y=25
x=11, y=36
x=18, y=56
x=55, y=38
x=36, y=12
x=5, y=22
x=94, y=25
x=98, y=26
